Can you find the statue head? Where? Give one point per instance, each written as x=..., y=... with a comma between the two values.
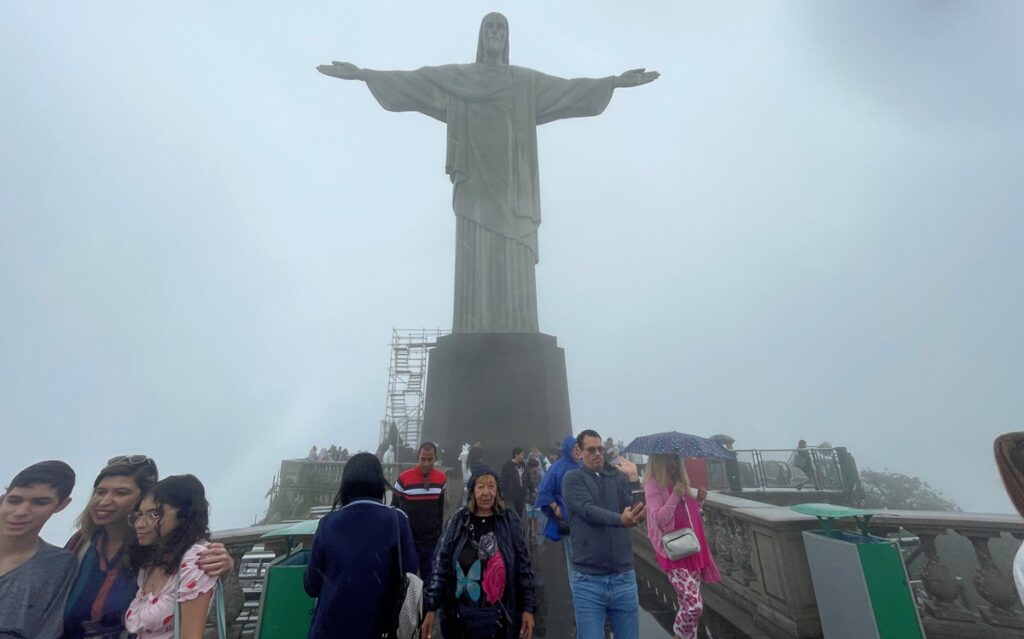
x=493, y=38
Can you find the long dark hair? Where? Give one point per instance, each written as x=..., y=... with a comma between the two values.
x=186, y=493
x=363, y=478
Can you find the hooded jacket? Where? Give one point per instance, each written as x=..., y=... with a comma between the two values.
x=600, y=543
x=550, y=491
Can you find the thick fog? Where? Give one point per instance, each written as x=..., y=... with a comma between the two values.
x=809, y=227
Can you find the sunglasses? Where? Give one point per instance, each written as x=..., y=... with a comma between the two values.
x=132, y=460
x=594, y=450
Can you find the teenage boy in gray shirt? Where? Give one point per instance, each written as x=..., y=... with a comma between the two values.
x=35, y=577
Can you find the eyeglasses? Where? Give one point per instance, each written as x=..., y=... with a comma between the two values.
x=150, y=517
x=594, y=450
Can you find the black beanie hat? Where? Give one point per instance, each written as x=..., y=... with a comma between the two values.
x=480, y=471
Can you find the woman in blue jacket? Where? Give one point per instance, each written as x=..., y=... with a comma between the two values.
x=352, y=569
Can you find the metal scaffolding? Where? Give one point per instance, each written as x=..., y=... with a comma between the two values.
x=407, y=382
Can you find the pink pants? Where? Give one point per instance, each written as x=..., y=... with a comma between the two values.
x=687, y=586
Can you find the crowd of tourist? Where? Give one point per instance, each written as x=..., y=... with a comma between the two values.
x=476, y=570
x=325, y=454
x=141, y=563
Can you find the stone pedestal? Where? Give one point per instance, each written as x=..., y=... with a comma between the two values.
x=501, y=389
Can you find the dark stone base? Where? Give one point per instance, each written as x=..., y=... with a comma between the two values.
x=501, y=389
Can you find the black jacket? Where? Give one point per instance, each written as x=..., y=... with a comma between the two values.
x=512, y=489
x=600, y=543
x=439, y=593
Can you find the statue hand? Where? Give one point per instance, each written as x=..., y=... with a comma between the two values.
x=343, y=70
x=635, y=77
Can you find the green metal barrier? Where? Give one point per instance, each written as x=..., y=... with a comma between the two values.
x=285, y=609
x=860, y=581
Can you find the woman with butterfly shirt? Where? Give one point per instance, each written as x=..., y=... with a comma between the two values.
x=482, y=585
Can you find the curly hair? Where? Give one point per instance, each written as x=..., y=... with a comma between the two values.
x=186, y=493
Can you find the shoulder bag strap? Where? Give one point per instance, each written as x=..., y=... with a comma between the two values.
x=398, y=537
x=177, y=604
x=686, y=510
x=218, y=603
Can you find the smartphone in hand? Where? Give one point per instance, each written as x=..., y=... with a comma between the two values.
x=639, y=498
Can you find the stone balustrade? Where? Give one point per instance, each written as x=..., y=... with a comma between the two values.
x=962, y=573
x=958, y=563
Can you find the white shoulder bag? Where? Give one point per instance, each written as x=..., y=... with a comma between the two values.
x=682, y=542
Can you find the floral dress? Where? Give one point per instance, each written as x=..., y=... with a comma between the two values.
x=151, y=614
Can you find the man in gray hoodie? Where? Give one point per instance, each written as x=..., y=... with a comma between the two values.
x=601, y=510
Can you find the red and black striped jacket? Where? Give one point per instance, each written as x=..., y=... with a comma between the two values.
x=422, y=499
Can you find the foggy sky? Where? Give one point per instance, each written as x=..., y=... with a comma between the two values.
x=809, y=227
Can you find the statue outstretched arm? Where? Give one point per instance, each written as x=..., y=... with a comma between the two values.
x=343, y=70
x=633, y=78
x=395, y=90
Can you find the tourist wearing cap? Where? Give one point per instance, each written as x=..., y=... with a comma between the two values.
x=482, y=584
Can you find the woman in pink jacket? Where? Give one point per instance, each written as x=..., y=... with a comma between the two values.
x=672, y=504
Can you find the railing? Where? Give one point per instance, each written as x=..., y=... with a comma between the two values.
x=960, y=569
x=775, y=469
x=959, y=565
x=305, y=484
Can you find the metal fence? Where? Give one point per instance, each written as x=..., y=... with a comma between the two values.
x=785, y=468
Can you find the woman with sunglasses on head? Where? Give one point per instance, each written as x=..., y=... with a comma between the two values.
x=104, y=587
x=172, y=528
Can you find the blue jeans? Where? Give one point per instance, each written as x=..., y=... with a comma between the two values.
x=599, y=597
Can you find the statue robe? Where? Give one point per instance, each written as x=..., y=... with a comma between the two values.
x=492, y=113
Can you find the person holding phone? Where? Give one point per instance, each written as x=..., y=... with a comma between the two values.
x=601, y=511
x=673, y=504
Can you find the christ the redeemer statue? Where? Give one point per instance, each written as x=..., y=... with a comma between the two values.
x=492, y=110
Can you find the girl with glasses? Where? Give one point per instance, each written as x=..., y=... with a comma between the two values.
x=172, y=528
x=104, y=587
